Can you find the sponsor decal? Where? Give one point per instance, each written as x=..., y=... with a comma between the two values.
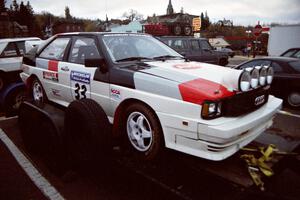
x=259, y=100
x=53, y=65
x=115, y=94
x=187, y=66
x=81, y=77
x=55, y=92
x=52, y=76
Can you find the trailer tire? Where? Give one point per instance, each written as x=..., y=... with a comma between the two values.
x=87, y=132
x=42, y=138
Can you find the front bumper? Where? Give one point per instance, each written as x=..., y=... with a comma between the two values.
x=221, y=140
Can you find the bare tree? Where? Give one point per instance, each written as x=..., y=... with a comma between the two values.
x=133, y=15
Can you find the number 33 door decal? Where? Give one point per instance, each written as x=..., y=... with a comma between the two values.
x=80, y=85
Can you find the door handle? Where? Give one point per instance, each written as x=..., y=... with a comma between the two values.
x=65, y=68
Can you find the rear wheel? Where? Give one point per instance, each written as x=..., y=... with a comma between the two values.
x=13, y=102
x=223, y=62
x=143, y=130
x=37, y=93
x=177, y=29
x=2, y=81
x=293, y=100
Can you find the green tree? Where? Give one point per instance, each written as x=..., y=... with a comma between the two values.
x=2, y=5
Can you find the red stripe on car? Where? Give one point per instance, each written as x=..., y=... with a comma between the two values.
x=198, y=90
x=53, y=65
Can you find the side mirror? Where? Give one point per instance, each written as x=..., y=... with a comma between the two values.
x=96, y=62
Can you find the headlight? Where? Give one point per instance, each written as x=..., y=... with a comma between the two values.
x=211, y=110
x=254, y=77
x=270, y=74
x=244, y=81
x=262, y=76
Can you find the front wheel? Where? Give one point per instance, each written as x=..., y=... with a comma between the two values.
x=143, y=131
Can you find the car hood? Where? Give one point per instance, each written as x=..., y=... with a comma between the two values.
x=194, y=79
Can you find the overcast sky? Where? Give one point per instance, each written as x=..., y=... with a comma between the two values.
x=242, y=12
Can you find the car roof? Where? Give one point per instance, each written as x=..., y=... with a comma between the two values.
x=278, y=58
x=6, y=40
x=183, y=37
x=99, y=33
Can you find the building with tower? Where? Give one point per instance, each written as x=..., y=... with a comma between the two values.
x=170, y=9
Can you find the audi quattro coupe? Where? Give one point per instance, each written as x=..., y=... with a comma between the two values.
x=152, y=94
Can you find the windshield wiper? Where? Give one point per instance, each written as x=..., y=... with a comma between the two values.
x=133, y=59
x=165, y=57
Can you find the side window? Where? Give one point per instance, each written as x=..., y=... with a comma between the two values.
x=179, y=44
x=255, y=63
x=205, y=45
x=10, y=50
x=21, y=47
x=277, y=68
x=82, y=49
x=195, y=45
x=56, y=49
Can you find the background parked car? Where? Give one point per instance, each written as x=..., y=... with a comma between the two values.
x=196, y=49
x=293, y=52
x=286, y=83
x=11, y=53
x=227, y=50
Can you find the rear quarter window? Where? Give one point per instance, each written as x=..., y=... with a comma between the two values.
x=9, y=51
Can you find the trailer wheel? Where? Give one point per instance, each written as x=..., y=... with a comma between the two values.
x=187, y=30
x=13, y=102
x=177, y=29
x=87, y=132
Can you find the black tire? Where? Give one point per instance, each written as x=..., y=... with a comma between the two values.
x=187, y=30
x=42, y=137
x=292, y=100
x=223, y=62
x=13, y=102
x=2, y=80
x=87, y=132
x=177, y=30
x=43, y=99
x=155, y=147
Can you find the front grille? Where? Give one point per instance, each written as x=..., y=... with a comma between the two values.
x=245, y=102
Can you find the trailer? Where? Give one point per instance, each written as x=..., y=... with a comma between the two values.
x=282, y=38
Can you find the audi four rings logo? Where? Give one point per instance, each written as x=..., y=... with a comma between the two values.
x=259, y=100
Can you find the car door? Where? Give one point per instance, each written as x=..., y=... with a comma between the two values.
x=10, y=59
x=282, y=76
x=181, y=46
x=81, y=78
x=48, y=69
x=196, y=52
x=208, y=54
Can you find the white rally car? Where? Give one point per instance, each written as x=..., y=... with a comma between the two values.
x=153, y=94
x=11, y=52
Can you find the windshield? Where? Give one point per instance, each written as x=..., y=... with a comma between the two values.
x=123, y=47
